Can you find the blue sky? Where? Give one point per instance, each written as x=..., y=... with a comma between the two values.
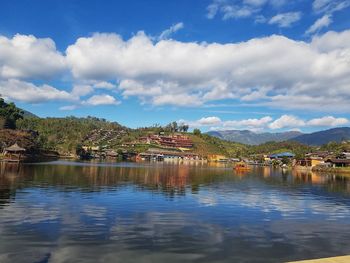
x=262, y=65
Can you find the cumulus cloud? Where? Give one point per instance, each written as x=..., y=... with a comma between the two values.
x=174, y=28
x=18, y=90
x=249, y=124
x=25, y=56
x=309, y=75
x=332, y=42
x=320, y=23
x=209, y=121
x=272, y=71
x=103, y=99
x=290, y=121
x=285, y=19
x=328, y=121
x=286, y=121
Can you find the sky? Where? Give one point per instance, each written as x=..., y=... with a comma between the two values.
x=261, y=65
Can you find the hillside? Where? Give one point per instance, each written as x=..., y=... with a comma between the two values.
x=205, y=144
x=252, y=138
x=26, y=139
x=324, y=137
x=65, y=134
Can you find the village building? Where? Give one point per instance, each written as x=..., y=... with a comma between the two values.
x=278, y=156
x=335, y=162
x=164, y=155
x=171, y=141
x=310, y=162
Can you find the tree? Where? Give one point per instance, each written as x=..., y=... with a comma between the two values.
x=185, y=127
x=10, y=114
x=197, y=132
x=174, y=126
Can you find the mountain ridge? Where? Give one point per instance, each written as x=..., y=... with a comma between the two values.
x=253, y=138
x=323, y=137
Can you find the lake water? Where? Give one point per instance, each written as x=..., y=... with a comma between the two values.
x=159, y=212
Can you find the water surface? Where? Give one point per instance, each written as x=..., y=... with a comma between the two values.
x=159, y=212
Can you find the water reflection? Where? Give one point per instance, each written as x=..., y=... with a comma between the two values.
x=127, y=212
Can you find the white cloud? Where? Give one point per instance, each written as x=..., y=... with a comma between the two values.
x=320, y=23
x=209, y=121
x=231, y=9
x=299, y=75
x=18, y=90
x=173, y=29
x=102, y=99
x=286, y=121
x=216, y=123
x=285, y=19
x=329, y=6
x=104, y=85
x=28, y=57
x=272, y=71
x=248, y=124
x=289, y=122
x=213, y=9
x=177, y=99
x=68, y=107
x=332, y=42
x=82, y=90
x=328, y=121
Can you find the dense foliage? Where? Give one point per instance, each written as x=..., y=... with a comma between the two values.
x=9, y=114
x=65, y=134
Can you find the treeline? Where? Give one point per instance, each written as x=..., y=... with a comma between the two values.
x=171, y=127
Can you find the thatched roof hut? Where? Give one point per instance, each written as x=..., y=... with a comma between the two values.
x=15, y=148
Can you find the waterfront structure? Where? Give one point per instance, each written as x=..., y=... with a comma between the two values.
x=310, y=162
x=14, y=153
x=163, y=155
x=335, y=162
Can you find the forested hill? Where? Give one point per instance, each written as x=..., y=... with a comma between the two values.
x=64, y=134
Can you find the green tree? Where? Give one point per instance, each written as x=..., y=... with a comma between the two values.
x=197, y=132
x=10, y=114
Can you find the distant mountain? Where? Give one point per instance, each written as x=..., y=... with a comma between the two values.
x=27, y=114
x=324, y=137
x=253, y=138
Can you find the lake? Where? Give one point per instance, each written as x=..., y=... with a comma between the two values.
x=161, y=212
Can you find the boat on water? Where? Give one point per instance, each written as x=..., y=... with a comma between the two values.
x=241, y=166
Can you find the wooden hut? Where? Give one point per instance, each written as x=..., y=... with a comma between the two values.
x=14, y=153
